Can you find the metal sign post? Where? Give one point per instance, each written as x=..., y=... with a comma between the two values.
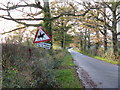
x=47, y=67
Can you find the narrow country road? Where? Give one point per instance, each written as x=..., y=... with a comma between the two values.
x=95, y=73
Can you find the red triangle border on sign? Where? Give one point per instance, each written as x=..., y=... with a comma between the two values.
x=41, y=40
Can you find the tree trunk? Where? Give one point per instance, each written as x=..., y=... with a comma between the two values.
x=47, y=21
x=105, y=31
x=47, y=24
x=88, y=40
x=114, y=34
x=105, y=40
x=97, y=38
x=63, y=37
x=62, y=41
x=85, y=41
x=115, y=47
x=97, y=43
x=81, y=41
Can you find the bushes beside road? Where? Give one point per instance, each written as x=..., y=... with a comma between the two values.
x=20, y=70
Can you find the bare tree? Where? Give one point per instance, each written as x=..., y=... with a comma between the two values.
x=113, y=18
x=31, y=11
x=109, y=21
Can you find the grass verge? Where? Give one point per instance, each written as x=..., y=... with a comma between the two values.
x=100, y=58
x=66, y=75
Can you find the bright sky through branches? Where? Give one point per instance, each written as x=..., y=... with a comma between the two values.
x=6, y=25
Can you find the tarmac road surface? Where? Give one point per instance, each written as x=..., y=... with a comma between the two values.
x=96, y=73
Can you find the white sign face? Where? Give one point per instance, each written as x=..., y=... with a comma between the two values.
x=44, y=45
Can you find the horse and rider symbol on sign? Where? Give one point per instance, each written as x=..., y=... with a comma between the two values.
x=41, y=36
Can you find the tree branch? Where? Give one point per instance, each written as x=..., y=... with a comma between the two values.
x=13, y=30
x=104, y=14
x=23, y=23
x=102, y=32
x=105, y=3
x=118, y=33
x=19, y=6
x=108, y=26
x=23, y=19
x=68, y=14
x=118, y=14
x=118, y=19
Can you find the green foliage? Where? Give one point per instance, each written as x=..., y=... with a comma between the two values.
x=12, y=78
x=114, y=4
x=58, y=37
x=66, y=75
x=61, y=25
x=60, y=29
x=58, y=7
x=8, y=76
x=67, y=61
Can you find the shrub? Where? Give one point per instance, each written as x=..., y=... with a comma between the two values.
x=22, y=71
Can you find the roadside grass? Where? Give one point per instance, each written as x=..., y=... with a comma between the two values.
x=106, y=60
x=66, y=75
x=100, y=58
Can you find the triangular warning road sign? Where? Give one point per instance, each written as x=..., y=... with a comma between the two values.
x=41, y=36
